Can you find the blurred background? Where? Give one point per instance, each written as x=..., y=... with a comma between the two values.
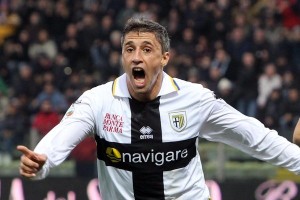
x=246, y=51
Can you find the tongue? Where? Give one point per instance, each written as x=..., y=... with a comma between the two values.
x=139, y=81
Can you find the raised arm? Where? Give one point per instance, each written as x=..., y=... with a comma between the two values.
x=227, y=125
x=55, y=146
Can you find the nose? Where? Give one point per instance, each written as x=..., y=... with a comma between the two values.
x=137, y=58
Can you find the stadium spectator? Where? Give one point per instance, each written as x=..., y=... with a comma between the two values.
x=237, y=44
x=214, y=77
x=51, y=93
x=202, y=47
x=282, y=64
x=291, y=107
x=293, y=48
x=271, y=113
x=219, y=24
x=23, y=81
x=45, y=119
x=12, y=128
x=174, y=24
x=290, y=17
x=60, y=18
x=88, y=32
x=226, y=91
x=274, y=34
x=224, y=64
x=247, y=85
x=43, y=45
x=61, y=70
x=69, y=46
x=260, y=47
x=9, y=23
x=23, y=42
x=203, y=64
x=288, y=81
x=35, y=23
x=126, y=12
x=3, y=103
x=267, y=82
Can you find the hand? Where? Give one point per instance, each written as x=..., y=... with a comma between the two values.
x=30, y=162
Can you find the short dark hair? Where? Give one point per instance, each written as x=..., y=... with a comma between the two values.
x=144, y=25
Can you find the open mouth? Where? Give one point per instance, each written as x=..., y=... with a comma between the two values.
x=138, y=73
x=139, y=76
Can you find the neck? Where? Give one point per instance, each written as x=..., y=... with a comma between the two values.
x=148, y=95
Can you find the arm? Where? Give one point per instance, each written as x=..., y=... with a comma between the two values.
x=54, y=148
x=296, y=134
x=227, y=125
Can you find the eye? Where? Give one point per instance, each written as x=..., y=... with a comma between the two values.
x=129, y=49
x=147, y=50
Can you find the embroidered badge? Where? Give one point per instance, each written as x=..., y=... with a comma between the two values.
x=178, y=120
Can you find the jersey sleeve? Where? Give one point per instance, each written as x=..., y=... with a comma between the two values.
x=227, y=125
x=77, y=124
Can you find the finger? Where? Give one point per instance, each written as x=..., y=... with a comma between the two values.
x=29, y=162
x=27, y=152
x=28, y=169
x=39, y=158
x=27, y=174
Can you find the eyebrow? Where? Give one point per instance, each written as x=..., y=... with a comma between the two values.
x=144, y=43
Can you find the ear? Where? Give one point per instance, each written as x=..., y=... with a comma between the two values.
x=165, y=59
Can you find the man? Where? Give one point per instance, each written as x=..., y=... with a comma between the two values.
x=147, y=124
x=296, y=134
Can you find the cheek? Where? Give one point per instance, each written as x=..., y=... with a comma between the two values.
x=156, y=71
x=124, y=62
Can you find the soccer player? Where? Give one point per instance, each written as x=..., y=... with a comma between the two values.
x=296, y=134
x=146, y=125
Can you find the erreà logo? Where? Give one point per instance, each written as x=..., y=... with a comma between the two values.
x=113, y=154
x=178, y=120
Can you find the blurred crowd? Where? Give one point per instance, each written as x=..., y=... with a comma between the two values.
x=51, y=51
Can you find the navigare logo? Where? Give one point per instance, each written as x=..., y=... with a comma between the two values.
x=113, y=154
x=158, y=158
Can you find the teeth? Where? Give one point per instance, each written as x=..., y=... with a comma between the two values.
x=137, y=69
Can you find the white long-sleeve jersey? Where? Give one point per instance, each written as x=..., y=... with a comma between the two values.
x=149, y=150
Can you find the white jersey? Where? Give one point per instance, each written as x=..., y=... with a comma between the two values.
x=149, y=150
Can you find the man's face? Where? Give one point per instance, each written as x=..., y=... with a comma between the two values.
x=143, y=62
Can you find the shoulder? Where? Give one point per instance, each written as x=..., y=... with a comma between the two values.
x=194, y=90
x=97, y=93
x=106, y=87
x=191, y=87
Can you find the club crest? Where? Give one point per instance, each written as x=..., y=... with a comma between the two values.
x=178, y=120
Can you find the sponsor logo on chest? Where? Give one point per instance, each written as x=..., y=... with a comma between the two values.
x=113, y=123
